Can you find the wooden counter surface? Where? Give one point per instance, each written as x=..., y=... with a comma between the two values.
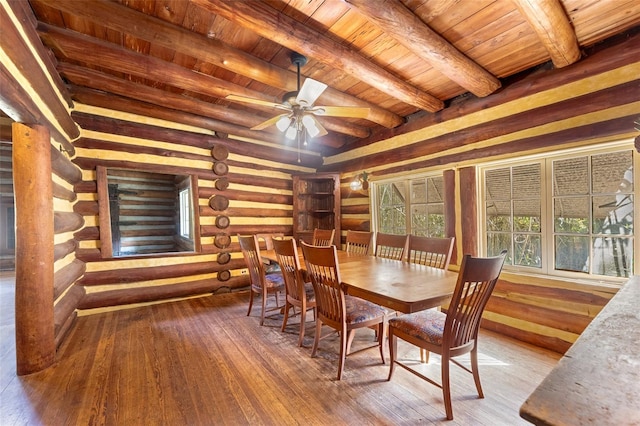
x=597, y=382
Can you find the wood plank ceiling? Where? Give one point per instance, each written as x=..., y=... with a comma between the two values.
x=400, y=58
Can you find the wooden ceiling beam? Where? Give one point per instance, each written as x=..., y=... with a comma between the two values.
x=83, y=49
x=120, y=18
x=550, y=22
x=93, y=81
x=395, y=19
x=269, y=23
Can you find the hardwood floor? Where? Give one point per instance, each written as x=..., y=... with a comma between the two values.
x=203, y=362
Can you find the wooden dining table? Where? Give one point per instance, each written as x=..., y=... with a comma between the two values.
x=401, y=286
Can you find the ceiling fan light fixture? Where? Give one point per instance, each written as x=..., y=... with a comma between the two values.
x=283, y=123
x=291, y=132
x=310, y=124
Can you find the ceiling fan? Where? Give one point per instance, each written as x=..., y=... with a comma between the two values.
x=300, y=111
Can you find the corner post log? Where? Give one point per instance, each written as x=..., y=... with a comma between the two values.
x=33, y=185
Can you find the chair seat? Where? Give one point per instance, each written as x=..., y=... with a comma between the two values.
x=273, y=281
x=425, y=325
x=359, y=310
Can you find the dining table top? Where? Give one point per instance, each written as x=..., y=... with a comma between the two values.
x=399, y=285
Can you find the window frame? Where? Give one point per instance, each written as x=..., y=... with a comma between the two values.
x=548, y=232
x=374, y=187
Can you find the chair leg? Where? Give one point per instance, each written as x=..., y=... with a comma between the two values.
x=344, y=339
x=250, y=302
x=287, y=307
x=393, y=348
x=381, y=336
x=424, y=356
x=316, y=339
x=350, y=338
x=303, y=319
x=264, y=307
x=476, y=372
x=446, y=388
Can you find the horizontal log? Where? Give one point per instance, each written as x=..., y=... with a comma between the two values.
x=212, y=230
x=63, y=249
x=150, y=294
x=89, y=233
x=115, y=126
x=552, y=343
x=64, y=168
x=86, y=208
x=348, y=193
x=237, y=195
x=89, y=255
x=66, y=276
x=130, y=275
x=566, y=295
x=139, y=149
x=86, y=187
x=355, y=224
x=565, y=321
x=355, y=209
x=63, y=193
x=246, y=212
x=62, y=332
x=66, y=221
x=65, y=308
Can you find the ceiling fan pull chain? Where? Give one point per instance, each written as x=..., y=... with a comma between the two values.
x=298, y=147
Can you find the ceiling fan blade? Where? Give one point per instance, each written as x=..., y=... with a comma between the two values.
x=310, y=92
x=255, y=101
x=346, y=111
x=269, y=122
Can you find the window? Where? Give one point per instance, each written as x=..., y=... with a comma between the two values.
x=568, y=215
x=185, y=212
x=421, y=196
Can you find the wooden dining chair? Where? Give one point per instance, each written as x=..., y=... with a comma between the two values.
x=268, y=244
x=430, y=251
x=298, y=293
x=358, y=242
x=323, y=237
x=390, y=246
x=261, y=283
x=341, y=312
x=452, y=333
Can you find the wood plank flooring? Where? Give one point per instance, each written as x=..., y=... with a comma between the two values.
x=204, y=362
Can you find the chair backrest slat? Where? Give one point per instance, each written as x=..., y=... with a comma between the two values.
x=251, y=252
x=323, y=270
x=391, y=246
x=287, y=255
x=268, y=239
x=430, y=251
x=476, y=280
x=323, y=237
x=358, y=242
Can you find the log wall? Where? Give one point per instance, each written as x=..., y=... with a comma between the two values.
x=591, y=102
x=238, y=193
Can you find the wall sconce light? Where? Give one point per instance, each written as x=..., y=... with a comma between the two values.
x=361, y=181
